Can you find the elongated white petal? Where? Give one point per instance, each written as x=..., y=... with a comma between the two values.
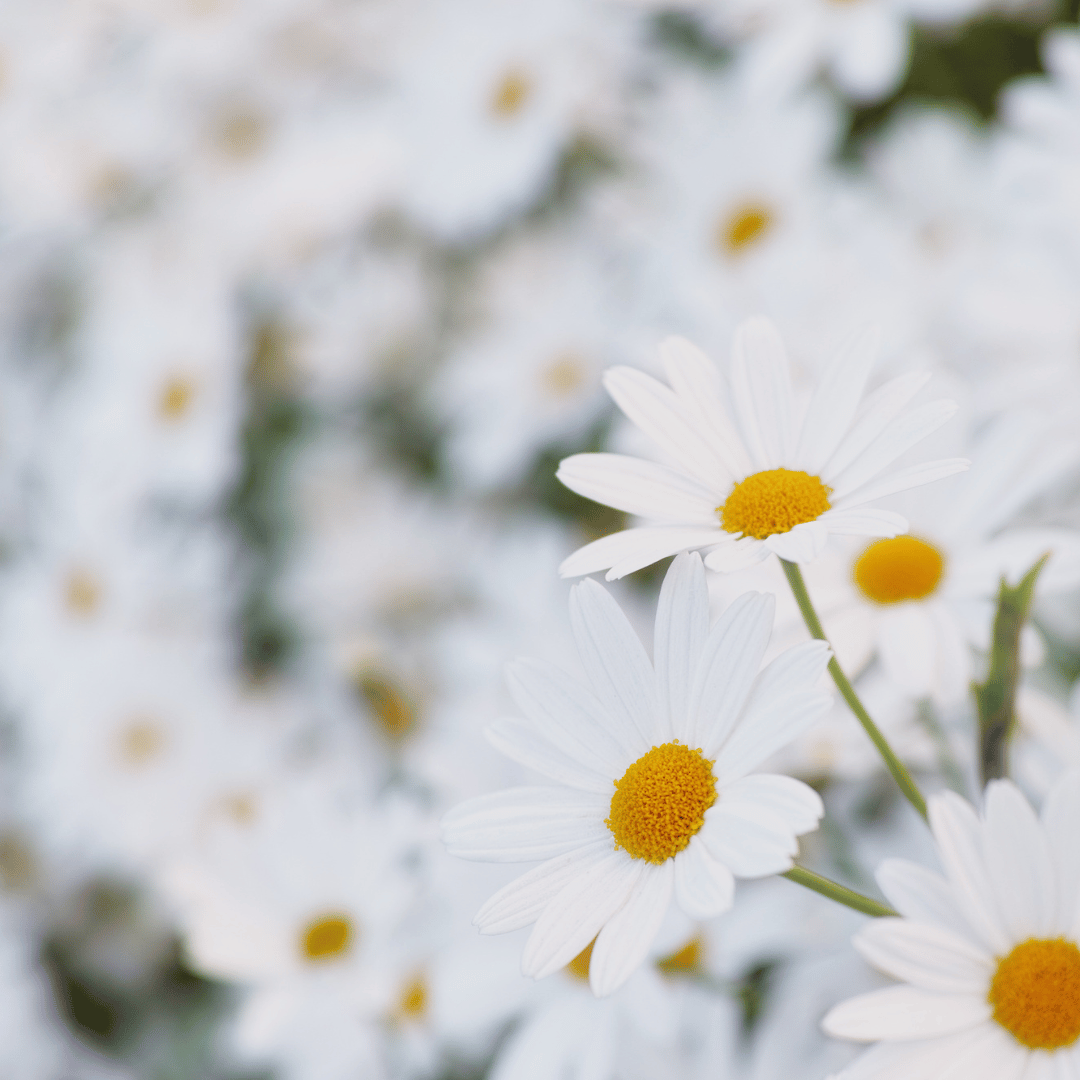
x=904, y=1012
x=698, y=383
x=1060, y=813
x=737, y=555
x=835, y=401
x=864, y=521
x=921, y=895
x=908, y=649
x=524, y=824
x=624, y=942
x=569, y=714
x=704, y=886
x=574, y=917
x=873, y=416
x=783, y=703
x=761, y=388
x=635, y=548
x=1019, y=862
x=798, y=804
x=902, y=434
x=728, y=665
x=958, y=834
x=521, y=742
x=901, y=480
x=682, y=628
x=751, y=841
x=521, y=902
x=614, y=659
x=640, y=487
x=656, y=409
x=930, y=957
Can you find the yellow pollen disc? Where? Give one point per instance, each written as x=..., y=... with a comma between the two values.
x=774, y=501
x=745, y=226
x=389, y=706
x=140, y=742
x=82, y=593
x=579, y=966
x=903, y=568
x=1036, y=993
x=684, y=961
x=511, y=94
x=175, y=398
x=413, y=1001
x=660, y=802
x=326, y=937
x=565, y=375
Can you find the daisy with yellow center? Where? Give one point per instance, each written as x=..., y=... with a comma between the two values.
x=990, y=953
x=656, y=801
x=749, y=473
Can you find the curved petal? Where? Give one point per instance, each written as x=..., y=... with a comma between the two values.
x=627, y=936
x=864, y=521
x=704, y=887
x=749, y=841
x=802, y=544
x=614, y=659
x=575, y=915
x=794, y=802
x=631, y=549
x=736, y=555
x=902, y=480
x=682, y=629
x=921, y=895
x=904, y=1012
x=521, y=742
x=761, y=389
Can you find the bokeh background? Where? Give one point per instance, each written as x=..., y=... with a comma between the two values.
x=301, y=302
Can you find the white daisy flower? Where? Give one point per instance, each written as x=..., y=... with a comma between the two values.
x=990, y=952
x=676, y=741
x=750, y=477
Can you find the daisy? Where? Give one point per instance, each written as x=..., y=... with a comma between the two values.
x=655, y=802
x=749, y=478
x=990, y=952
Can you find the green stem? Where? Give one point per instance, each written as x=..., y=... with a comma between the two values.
x=840, y=893
x=813, y=624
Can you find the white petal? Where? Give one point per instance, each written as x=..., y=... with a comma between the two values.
x=902, y=434
x=699, y=385
x=631, y=549
x=835, y=401
x=930, y=957
x=657, y=411
x=521, y=902
x=995, y=1054
x=1019, y=862
x=523, y=824
x=627, y=936
x=901, y=480
x=682, y=628
x=704, y=887
x=864, y=521
x=873, y=417
x=727, y=667
x=1060, y=813
x=614, y=659
x=569, y=714
x=958, y=833
x=640, y=487
x=798, y=804
x=783, y=703
x=921, y=895
x=749, y=840
x=952, y=664
x=521, y=742
x=904, y=1012
x=574, y=917
x=761, y=388
x=802, y=544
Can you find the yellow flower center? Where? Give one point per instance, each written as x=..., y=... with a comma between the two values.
x=511, y=94
x=579, y=966
x=394, y=712
x=903, y=568
x=685, y=961
x=746, y=225
x=175, y=398
x=413, y=1001
x=660, y=802
x=1036, y=993
x=82, y=592
x=326, y=937
x=774, y=501
x=141, y=742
